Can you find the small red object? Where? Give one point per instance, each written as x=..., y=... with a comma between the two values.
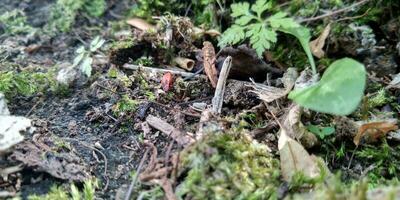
x=167, y=81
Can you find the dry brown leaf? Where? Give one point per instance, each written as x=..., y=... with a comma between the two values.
x=317, y=44
x=209, y=63
x=140, y=24
x=295, y=128
x=269, y=93
x=294, y=158
x=372, y=131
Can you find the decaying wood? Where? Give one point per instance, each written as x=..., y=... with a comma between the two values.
x=209, y=63
x=220, y=90
x=184, y=63
x=180, y=137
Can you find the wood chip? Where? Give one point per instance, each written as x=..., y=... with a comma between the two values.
x=140, y=24
x=179, y=136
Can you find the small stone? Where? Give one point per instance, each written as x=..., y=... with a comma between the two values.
x=67, y=74
x=3, y=105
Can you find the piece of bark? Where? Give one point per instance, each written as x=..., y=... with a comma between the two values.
x=209, y=63
x=218, y=98
x=166, y=128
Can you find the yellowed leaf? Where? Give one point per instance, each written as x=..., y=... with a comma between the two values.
x=140, y=24
x=317, y=44
x=294, y=158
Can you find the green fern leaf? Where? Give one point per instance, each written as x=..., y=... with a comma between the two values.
x=261, y=6
x=239, y=9
x=244, y=20
x=232, y=35
x=280, y=20
x=262, y=40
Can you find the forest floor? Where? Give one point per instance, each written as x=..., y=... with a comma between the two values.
x=129, y=111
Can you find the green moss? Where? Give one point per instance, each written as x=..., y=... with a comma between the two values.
x=27, y=83
x=386, y=160
x=14, y=22
x=123, y=44
x=228, y=166
x=125, y=105
x=59, y=193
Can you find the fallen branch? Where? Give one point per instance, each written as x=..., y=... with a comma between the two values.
x=220, y=89
x=334, y=12
x=161, y=71
x=180, y=137
x=134, y=180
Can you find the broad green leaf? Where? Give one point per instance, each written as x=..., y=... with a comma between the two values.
x=321, y=132
x=304, y=36
x=338, y=92
x=86, y=66
x=239, y=9
x=260, y=6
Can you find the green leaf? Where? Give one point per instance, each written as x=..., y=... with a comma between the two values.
x=86, y=66
x=321, y=132
x=304, y=36
x=239, y=9
x=232, y=35
x=261, y=6
x=244, y=20
x=260, y=41
x=96, y=43
x=278, y=20
x=338, y=92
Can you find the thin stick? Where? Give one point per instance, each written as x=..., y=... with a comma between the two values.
x=334, y=12
x=134, y=180
x=157, y=70
x=220, y=89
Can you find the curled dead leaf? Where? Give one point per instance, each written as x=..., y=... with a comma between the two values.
x=372, y=131
x=269, y=93
x=294, y=158
x=140, y=24
x=317, y=44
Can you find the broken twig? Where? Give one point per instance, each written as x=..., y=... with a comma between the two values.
x=220, y=89
x=180, y=137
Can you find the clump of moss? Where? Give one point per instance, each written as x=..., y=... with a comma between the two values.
x=27, y=83
x=386, y=160
x=228, y=166
x=14, y=22
x=59, y=193
x=125, y=106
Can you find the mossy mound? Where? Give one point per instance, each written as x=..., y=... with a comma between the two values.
x=228, y=166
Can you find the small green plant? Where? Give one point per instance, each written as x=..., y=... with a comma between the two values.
x=84, y=59
x=59, y=193
x=321, y=132
x=341, y=87
x=14, y=22
x=251, y=24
